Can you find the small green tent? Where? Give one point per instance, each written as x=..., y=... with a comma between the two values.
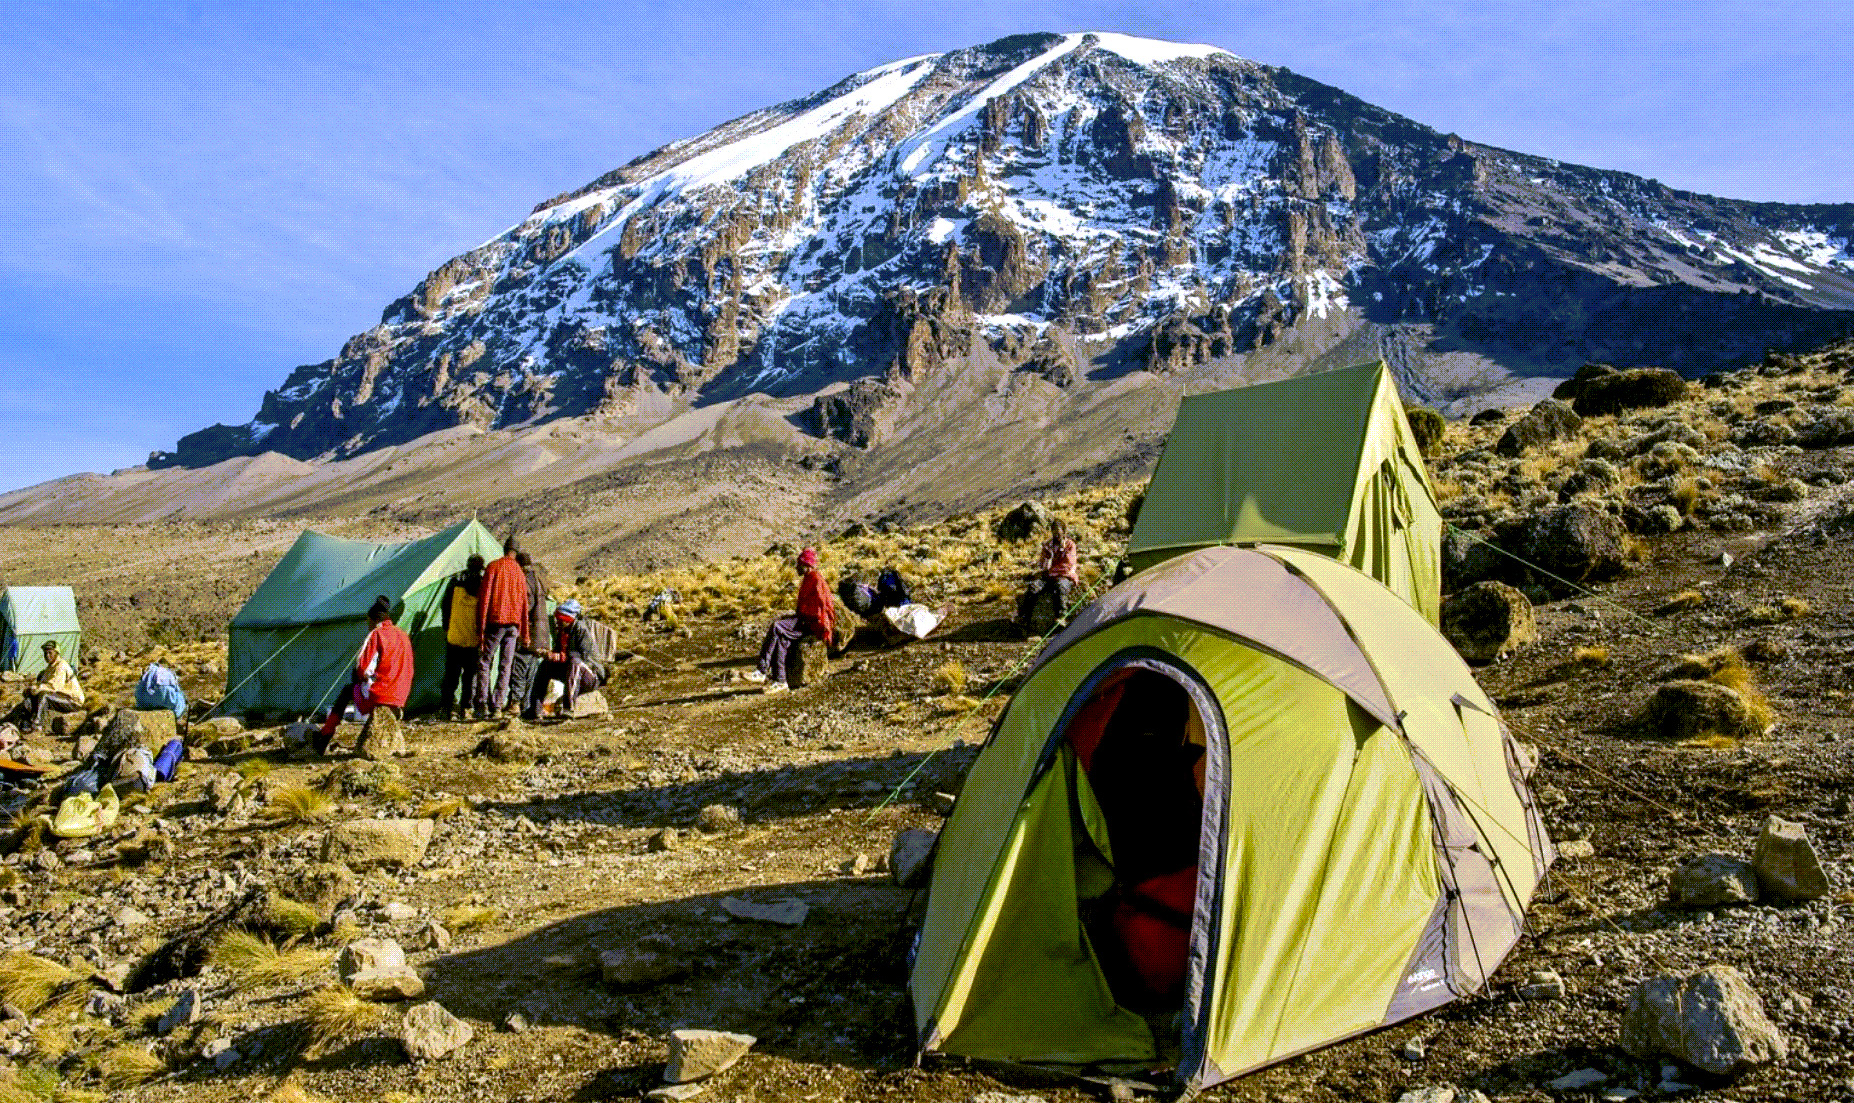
x=1288, y=750
x=31, y=615
x=1324, y=461
x=293, y=644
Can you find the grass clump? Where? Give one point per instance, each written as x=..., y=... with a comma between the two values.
x=293, y=919
x=29, y=982
x=255, y=767
x=299, y=804
x=253, y=962
x=1591, y=657
x=126, y=1066
x=440, y=809
x=1681, y=602
x=467, y=917
x=333, y=1012
x=143, y=1018
x=1733, y=674
x=949, y=677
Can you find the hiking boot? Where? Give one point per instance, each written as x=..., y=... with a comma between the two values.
x=776, y=687
x=753, y=676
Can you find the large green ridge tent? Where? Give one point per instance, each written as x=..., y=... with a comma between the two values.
x=294, y=642
x=1325, y=461
x=31, y=615
x=1292, y=744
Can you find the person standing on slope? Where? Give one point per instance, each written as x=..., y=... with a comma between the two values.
x=502, y=626
x=382, y=674
x=815, y=617
x=457, y=692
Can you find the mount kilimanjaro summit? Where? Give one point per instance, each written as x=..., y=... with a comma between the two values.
x=968, y=273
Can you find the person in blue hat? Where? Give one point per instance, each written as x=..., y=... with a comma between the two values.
x=568, y=661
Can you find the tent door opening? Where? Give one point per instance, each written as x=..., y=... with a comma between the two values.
x=1140, y=737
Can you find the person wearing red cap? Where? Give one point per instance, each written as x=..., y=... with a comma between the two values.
x=816, y=617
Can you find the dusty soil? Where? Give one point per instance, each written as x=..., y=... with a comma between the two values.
x=544, y=864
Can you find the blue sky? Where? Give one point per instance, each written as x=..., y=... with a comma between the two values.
x=195, y=197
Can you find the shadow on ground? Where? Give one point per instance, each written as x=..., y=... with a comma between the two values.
x=759, y=795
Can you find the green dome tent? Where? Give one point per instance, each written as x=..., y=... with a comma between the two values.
x=1324, y=461
x=1282, y=742
x=293, y=644
x=31, y=615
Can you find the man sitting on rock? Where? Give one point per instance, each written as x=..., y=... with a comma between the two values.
x=56, y=690
x=1044, y=601
x=159, y=688
x=568, y=661
x=382, y=674
x=816, y=616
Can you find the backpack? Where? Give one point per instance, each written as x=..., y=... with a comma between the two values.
x=891, y=590
x=601, y=641
x=860, y=599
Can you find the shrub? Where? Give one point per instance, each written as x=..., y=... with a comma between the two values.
x=949, y=677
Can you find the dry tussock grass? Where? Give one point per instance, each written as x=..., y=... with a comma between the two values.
x=333, y=1013
x=298, y=804
x=1681, y=602
x=467, y=917
x=29, y=982
x=126, y=1066
x=253, y=962
x=1590, y=656
x=1732, y=673
x=949, y=677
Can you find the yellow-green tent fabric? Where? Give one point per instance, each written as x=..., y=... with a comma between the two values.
x=1367, y=847
x=1324, y=461
x=293, y=644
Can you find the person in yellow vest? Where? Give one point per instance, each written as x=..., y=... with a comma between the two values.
x=56, y=690
x=461, y=640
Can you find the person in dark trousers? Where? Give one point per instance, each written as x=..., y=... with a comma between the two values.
x=538, y=631
x=457, y=691
x=382, y=674
x=502, y=626
x=815, y=616
x=568, y=661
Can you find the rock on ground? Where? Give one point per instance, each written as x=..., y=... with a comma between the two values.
x=910, y=858
x=1786, y=863
x=698, y=1054
x=429, y=1032
x=717, y=817
x=1632, y=389
x=779, y=913
x=377, y=844
x=1548, y=421
x=1577, y=543
x=1690, y=710
x=391, y=983
x=368, y=955
x=1023, y=522
x=1711, y=880
x=383, y=736
x=1710, y=1019
x=1487, y=620
x=645, y=963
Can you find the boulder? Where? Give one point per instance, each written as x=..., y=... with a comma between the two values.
x=157, y=726
x=1487, y=620
x=383, y=736
x=1027, y=520
x=388, y=985
x=666, y=839
x=1711, y=880
x=220, y=726
x=1691, y=710
x=1548, y=421
x=1577, y=543
x=513, y=743
x=1592, y=476
x=377, y=844
x=1568, y=389
x=718, y=817
x=222, y=792
x=1543, y=984
x=590, y=703
x=429, y=1032
x=1468, y=559
x=1786, y=863
x=911, y=857
x=808, y=663
x=324, y=886
x=433, y=936
x=368, y=955
x=1652, y=520
x=64, y=725
x=779, y=913
x=699, y=1054
x=1633, y=389
x=1710, y=1019
x=184, y=1012
x=647, y=962
x=1832, y=430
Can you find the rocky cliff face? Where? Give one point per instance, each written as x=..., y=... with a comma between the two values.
x=1078, y=206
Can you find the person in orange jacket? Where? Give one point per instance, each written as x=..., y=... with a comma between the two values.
x=815, y=617
x=502, y=624
x=382, y=674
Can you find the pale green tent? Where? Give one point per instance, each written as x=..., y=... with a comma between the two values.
x=31, y=615
x=1247, y=805
x=1324, y=461
x=294, y=642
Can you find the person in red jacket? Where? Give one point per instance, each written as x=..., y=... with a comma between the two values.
x=382, y=674
x=816, y=617
x=502, y=620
